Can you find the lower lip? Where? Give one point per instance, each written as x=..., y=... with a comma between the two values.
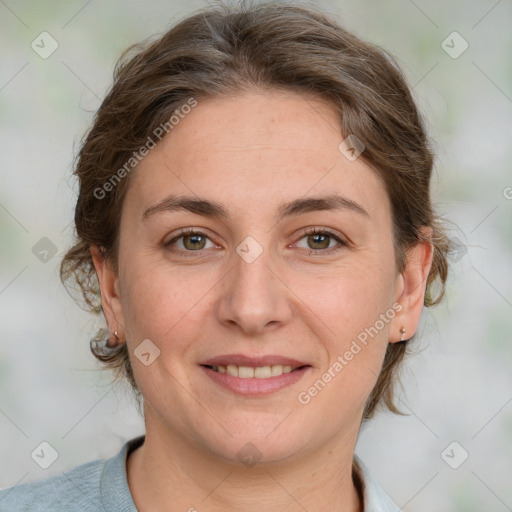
x=254, y=386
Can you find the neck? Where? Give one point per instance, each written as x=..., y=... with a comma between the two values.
x=168, y=473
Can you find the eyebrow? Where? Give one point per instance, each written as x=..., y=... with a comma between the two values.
x=216, y=210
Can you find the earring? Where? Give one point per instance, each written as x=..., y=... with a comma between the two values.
x=115, y=339
x=402, y=330
x=112, y=340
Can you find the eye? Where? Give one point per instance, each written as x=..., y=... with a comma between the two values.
x=319, y=240
x=193, y=241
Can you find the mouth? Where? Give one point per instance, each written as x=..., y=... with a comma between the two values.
x=254, y=366
x=257, y=372
x=255, y=381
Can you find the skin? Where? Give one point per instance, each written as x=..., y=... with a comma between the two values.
x=251, y=152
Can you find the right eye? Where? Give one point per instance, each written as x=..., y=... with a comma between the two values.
x=193, y=241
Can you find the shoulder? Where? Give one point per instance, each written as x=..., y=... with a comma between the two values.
x=77, y=489
x=375, y=499
x=96, y=486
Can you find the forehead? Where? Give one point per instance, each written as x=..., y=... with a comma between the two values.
x=255, y=148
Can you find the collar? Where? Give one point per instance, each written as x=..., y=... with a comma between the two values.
x=116, y=495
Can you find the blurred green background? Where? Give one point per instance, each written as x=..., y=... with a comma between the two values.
x=459, y=385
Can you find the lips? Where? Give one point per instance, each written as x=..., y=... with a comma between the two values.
x=256, y=387
x=253, y=362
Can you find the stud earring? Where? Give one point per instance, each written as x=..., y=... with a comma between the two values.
x=111, y=340
x=402, y=330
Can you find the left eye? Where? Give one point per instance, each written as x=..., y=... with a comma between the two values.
x=319, y=240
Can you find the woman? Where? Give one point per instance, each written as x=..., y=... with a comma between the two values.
x=255, y=221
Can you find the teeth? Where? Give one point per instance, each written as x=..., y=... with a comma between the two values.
x=260, y=372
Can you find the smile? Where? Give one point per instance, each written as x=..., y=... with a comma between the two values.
x=254, y=381
x=259, y=372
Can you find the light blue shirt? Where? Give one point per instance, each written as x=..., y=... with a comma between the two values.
x=102, y=486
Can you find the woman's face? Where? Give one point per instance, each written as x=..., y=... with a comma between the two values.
x=254, y=282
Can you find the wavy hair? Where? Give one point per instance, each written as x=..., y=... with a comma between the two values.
x=224, y=50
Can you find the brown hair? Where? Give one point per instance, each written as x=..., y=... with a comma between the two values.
x=223, y=50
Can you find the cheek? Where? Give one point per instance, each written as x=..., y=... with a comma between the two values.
x=353, y=348
x=164, y=306
x=348, y=298
x=352, y=315
x=161, y=302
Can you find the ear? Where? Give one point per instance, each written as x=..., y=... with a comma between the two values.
x=411, y=287
x=110, y=297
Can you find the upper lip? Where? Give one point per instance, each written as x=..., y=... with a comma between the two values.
x=255, y=361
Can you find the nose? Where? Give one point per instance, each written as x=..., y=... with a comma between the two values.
x=254, y=296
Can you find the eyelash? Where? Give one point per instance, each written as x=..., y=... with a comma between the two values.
x=308, y=232
x=324, y=231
